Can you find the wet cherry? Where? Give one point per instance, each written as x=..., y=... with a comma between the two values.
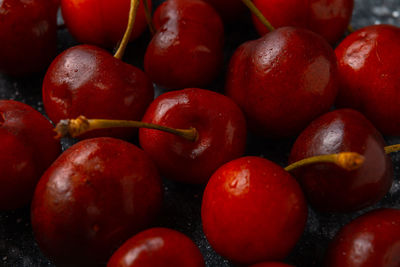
x=160, y=247
x=95, y=196
x=253, y=211
x=27, y=148
x=330, y=188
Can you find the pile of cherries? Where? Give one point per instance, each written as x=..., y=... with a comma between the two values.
x=99, y=202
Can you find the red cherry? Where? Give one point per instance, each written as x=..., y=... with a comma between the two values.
x=95, y=196
x=283, y=80
x=369, y=74
x=330, y=188
x=221, y=131
x=160, y=247
x=186, y=50
x=271, y=264
x=330, y=18
x=101, y=23
x=253, y=211
x=27, y=148
x=372, y=240
x=86, y=80
x=28, y=34
x=230, y=10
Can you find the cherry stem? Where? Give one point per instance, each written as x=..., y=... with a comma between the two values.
x=81, y=125
x=147, y=13
x=349, y=161
x=131, y=22
x=350, y=29
x=258, y=14
x=392, y=149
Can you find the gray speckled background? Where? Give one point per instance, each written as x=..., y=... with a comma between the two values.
x=181, y=209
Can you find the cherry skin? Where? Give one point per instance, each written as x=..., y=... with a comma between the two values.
x=371, y=240
x=87, y=80
x=330, y=188
x=271, y=264
x=369, y=75
x=329, y=18
x=158, y=247
x=28, y=34
x=253, y=211
x=95, y=196
x=221, y=131
x=187, y=49
x=283, y=80
x=27, y=148
x=103, y=22
x=229, y=10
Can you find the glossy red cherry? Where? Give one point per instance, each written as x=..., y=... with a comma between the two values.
x=330, y=188
x=369, y=75
x=221, y=131
x=329, y=18
x=372, y=240
x=86, y=80
x=253, y=211
x=230, y=10
x=27, y=148
x=160, y=247
x=271, y=264
x=95, y=196
x=28, y=34
x=283, y=80
x=103, y=22
x=186, y=50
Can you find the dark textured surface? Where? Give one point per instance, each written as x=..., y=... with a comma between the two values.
x=182, y=203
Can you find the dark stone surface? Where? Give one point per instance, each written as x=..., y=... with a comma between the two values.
x=182, y=203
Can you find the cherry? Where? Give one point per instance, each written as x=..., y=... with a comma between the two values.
x=27, y=148
x=271, y=264
x=221, y=131
x=28, y=34
x=101, y=23
x=330, y=18
x=371, y=240
x=186, y=51
x=87, y=80
x=330, y=188
x=253, y=211
x=283, y=80
x=158, y=247
x=95, y=196
x=369, y=72
x=230, y=10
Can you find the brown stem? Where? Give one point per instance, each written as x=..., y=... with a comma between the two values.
x=347, y=160
x=81, y=125
x=350, y=29
x=258, y=14
x=147, y=13
x=392, y=149
x=131, y=22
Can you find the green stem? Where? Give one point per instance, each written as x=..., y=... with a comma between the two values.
x=258, y=14
x=347, y=160
x=81, y=125
x=131, y=22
